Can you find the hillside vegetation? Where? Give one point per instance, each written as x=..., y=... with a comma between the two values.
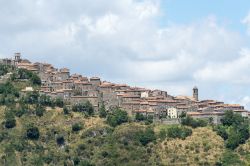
x=38, y=130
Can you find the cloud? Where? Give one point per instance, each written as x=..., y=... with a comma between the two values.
x=246, y=21
x=123, y=41
x=235, y=71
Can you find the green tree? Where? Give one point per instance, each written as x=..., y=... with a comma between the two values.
x=139, y=117
x=66, y=110
x=230, y=118
x=117, y=117
x=76, y=127
x=86, y=108
x=32, y=133
x=147, y=136
x=59, y=102
x=178, y=132
x=102, y=111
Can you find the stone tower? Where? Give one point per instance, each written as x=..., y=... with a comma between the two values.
x=17, y=58
x=196, y=93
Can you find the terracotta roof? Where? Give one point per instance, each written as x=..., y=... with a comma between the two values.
x=84, y=97
x=94, y=78
x=204, y=113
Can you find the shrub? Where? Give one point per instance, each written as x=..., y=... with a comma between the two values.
x=230, y=158
x=76, y=127
x=45, y=100
x=65, y=110
x=179, y=132
x=10, y=123
x=139, y=117
x=117, y=117
x=230, y=118
x=39, y=111
x=162, y=134
x=147, y=136
x=60, y=140
x=32, y=133
x=221, y=131
x=86, y=108
x=59, y=102
x=102, y=112
x=194, y=123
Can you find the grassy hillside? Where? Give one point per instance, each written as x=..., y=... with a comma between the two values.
x=99, y=144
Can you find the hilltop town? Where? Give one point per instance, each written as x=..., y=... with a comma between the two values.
x=75, y=88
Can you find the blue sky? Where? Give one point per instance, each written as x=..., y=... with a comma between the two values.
x=229, y=12
x=171, y=45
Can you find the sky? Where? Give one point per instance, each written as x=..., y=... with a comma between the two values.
x=171, y=45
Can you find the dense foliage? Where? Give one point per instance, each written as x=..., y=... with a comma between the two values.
x=179, y=132
x=117, y=117
x=189, y=121
x=86, y=108
x=234, y=129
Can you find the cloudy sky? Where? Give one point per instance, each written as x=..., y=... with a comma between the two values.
x=160, y=44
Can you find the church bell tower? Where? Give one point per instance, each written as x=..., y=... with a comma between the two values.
x=196, y=93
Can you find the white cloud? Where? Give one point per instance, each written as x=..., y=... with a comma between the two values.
x=246, y=21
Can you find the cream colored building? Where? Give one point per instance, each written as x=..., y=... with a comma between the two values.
x=172, y=112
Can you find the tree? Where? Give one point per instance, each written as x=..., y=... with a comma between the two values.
x=10, y=123
x=194, y=123
x=230, y=118
x=65, y=110
x=60, y=140
x=32, y=133
x=102, y=111
x=178, y=132
x=86, y=108
x=35, y=79
x=45, y=100
x=117, y=117
x=39, y=111
x=10, y=120
x=76, y=127
x=139, y=117
x=221, y=131
x=59, y=102
x=147, y=136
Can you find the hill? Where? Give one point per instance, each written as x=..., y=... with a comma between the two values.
x=38, y=130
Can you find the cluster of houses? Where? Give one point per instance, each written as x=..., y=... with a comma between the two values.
x=75, y=88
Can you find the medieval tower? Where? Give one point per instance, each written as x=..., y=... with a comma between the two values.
x=195, y=93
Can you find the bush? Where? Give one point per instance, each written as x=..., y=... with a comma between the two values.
x=230, y=118
x=162, y=134
x=60, y=140
x=102, y=112
x=31, y=98
x=86, y=108
x=147, y=136
x=117, y=117
x=234, y=130
x=230, y=158
x=65, y=110
x=10, y=123
x=139, y=117
x=194, y=123
x=179, y=132
x=32, y=133
x=45, y=100
x=39, y=111
x=221, y=131
x=59, y=102
x=76, y=127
